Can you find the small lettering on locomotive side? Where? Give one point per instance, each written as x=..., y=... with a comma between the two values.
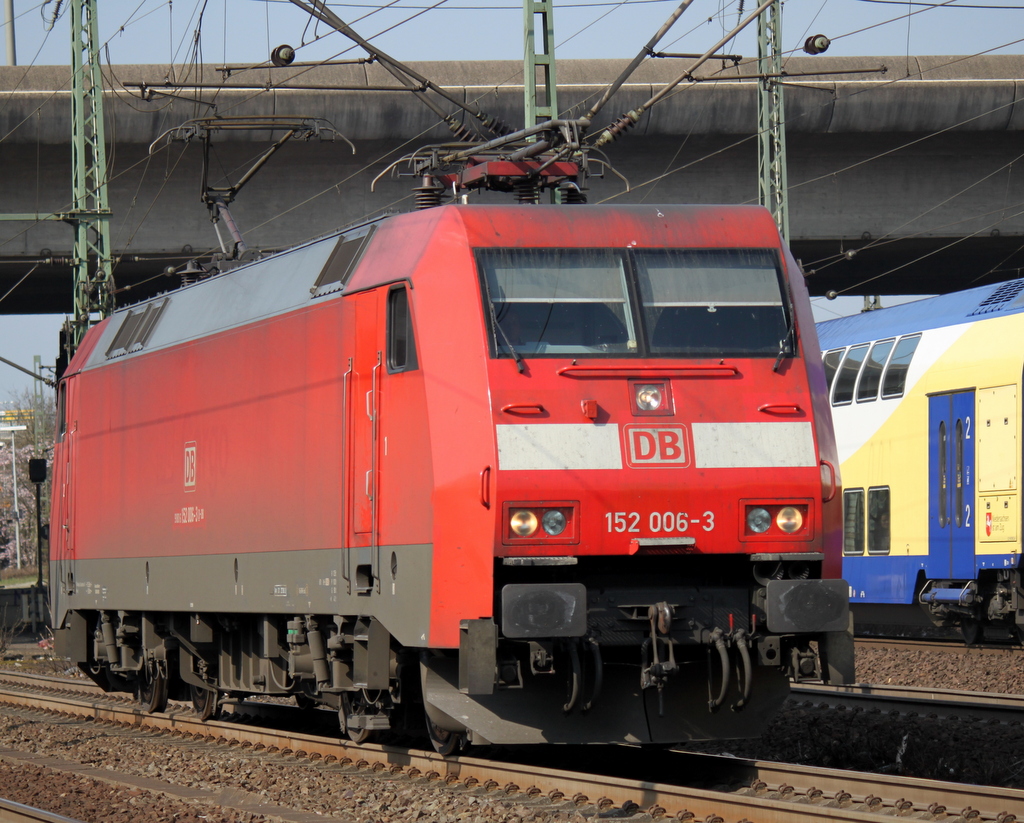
x=189, y=515
x=661, y=446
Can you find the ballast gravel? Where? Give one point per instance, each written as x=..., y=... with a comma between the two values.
x=181, y=781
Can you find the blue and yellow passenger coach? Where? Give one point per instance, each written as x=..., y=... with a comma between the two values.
x=926, y=403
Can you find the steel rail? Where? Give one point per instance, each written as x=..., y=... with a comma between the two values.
x=934, y=645
x=1003, y=708
x=777, y=792
x=52, y=681
x=11, y=812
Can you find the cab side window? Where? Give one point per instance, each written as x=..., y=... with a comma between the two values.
x=401, y=343
x=62, y=411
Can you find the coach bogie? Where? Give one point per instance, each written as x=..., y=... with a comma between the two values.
x=987, y=608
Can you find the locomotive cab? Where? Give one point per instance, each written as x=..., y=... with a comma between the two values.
x=658, y=384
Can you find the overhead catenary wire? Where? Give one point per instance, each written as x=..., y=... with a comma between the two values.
x=581, y=4
x=406, y=74
x=633, y=117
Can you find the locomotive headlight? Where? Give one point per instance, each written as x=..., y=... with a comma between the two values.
x=553, y=522
x=758, y=520
x=789, y=519
x=649, y=397
x=523, y=523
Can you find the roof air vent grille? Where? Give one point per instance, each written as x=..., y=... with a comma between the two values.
x=1003, y=294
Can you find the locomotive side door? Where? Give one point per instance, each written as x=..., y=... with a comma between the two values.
x=364, y=418
x=951, y=486
x=62, y=526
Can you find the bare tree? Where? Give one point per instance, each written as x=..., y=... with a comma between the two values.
x=18, y=518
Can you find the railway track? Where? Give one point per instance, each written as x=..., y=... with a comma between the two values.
x=643, y=781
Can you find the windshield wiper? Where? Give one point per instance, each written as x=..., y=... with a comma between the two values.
x=783, y=343
x=494, y=319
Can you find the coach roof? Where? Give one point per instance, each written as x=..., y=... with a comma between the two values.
x=929, y=313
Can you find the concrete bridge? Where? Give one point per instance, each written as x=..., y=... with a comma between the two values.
x=904, y=173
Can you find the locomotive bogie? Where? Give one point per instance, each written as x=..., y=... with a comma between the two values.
x=496, y=474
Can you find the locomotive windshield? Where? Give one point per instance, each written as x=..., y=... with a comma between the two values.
x=559, y=301
x=653, y=302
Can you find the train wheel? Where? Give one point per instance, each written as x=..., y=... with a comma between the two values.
x=152, y=691
x=348, y=703
x=205, y=702
x=304, y=701
x=444, y=742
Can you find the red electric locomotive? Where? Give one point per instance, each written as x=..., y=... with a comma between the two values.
x=512, y=474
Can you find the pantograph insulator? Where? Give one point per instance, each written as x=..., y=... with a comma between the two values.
x=462, y=133
x=428, y=193
x=572, y=194
x=526, y=191
x=620, y=127
x=495, y=125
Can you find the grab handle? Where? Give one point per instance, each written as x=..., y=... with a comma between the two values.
x=485, y=487
x=523, y=408
x=780, y=408
x=832, y=480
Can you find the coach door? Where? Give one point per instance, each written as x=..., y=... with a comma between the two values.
x=951, y=486
x=364, y=419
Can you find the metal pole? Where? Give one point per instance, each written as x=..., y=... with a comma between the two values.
x=17, y=509
x=14, y=474
x=541, y=100
x=37, y=474
x=91, y=214
x=771, y=116
x=39, y=539
x=12, y=56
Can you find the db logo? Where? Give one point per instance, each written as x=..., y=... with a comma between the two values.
x=190, y=466
x=656, y=447
x=988, y=524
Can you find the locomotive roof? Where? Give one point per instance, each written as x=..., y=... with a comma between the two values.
x=951, y=309
x=319, y=270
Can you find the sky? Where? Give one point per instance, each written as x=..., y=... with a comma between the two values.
x=245, y=31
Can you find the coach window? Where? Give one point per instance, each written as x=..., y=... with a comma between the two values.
x=942, y=485
x=832, y=360
x=846, y=380
x=401, y=345
x=878, y=520
x=853, y=521
x=895, y=381
x=871, y=376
